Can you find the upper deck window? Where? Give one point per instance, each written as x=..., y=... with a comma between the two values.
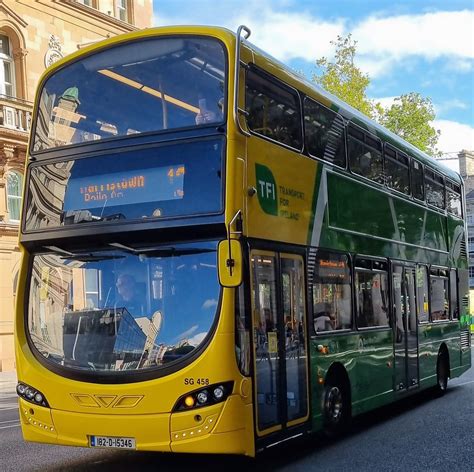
x=324, y=130
x=417, y=185
x=397, y=170
x=274, y=110
x=453, y=197
x=434, y=189
x=365, y=154
x=142, y=86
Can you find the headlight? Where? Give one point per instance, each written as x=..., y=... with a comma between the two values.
x=31, y=394
x=218, y=392
x=204, y=397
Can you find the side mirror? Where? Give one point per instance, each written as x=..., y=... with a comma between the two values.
x=229, y=255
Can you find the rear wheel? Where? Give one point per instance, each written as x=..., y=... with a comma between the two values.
x=442, y=373
x=336, y=408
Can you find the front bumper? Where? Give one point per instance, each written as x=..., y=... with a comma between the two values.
x=222, y=428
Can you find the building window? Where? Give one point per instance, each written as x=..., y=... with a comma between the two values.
x=123, y=10
x=7, y=67
x=92, y=285
x=14, y=188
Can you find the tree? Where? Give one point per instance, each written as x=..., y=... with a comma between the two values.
x=343, y=78
x=409, y=116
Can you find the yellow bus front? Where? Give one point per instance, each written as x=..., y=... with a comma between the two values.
x=124, y=336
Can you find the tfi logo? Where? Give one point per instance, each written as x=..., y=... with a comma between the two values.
x=266, y=190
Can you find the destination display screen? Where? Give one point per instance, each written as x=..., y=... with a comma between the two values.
x=148, y=185
x=162, y=181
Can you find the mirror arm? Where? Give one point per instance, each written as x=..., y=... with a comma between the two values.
x=237, y=219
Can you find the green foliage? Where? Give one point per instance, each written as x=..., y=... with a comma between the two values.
x=409, y=116
x=343, y=78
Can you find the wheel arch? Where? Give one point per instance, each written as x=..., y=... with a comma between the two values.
x=338, y=373
x=443, y=353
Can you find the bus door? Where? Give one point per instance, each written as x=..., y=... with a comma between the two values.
x=406, y=327
x=279, y=341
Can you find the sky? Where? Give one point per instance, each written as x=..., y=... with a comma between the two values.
x=424, y=46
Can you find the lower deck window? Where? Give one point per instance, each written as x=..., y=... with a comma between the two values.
x=439, y=298
x=371, y=286
x=332, y=292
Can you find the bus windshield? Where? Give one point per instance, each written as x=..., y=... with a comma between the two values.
x=148, y=85
x=123, y=309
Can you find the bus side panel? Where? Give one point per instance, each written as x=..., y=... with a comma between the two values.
x=366, y=356
x=431, y=336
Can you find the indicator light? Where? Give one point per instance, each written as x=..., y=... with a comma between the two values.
x=189, y=401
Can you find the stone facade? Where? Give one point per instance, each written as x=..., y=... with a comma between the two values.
x=33, y=35
x=466, y=169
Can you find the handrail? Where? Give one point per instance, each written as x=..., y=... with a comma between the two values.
x=238, y=110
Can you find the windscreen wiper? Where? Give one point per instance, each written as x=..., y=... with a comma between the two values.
x=72, y=217
x=157, y=251
x=82, y=256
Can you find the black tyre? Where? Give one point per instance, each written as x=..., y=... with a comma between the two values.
x=336, y=408
x=442, y=373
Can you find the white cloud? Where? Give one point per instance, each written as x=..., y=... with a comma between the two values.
x=429, y=35
x=197, y=339
x=187, y=333
x=454, y=136
x=386, y=102
x=453, y=104
x=382, y=41
x=211, y=303
x=275, y=29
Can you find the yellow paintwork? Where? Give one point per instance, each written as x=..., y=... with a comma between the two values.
x=230, y=276
x=294, y=213
x=143, y=410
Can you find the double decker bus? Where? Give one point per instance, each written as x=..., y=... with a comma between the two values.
x=219, y=256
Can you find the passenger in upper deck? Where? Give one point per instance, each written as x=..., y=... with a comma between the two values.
x=206, y=115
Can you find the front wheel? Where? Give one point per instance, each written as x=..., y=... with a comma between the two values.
x=336, y=409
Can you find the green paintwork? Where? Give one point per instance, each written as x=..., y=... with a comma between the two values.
x=373, y=214
x=359, y=218
x=266, y=189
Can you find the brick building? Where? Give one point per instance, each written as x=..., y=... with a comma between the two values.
x=33, y=35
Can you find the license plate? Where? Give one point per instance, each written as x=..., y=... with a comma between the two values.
x=112, y=442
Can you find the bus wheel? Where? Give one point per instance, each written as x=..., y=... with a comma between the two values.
x=442, y=373
x=335, y=409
